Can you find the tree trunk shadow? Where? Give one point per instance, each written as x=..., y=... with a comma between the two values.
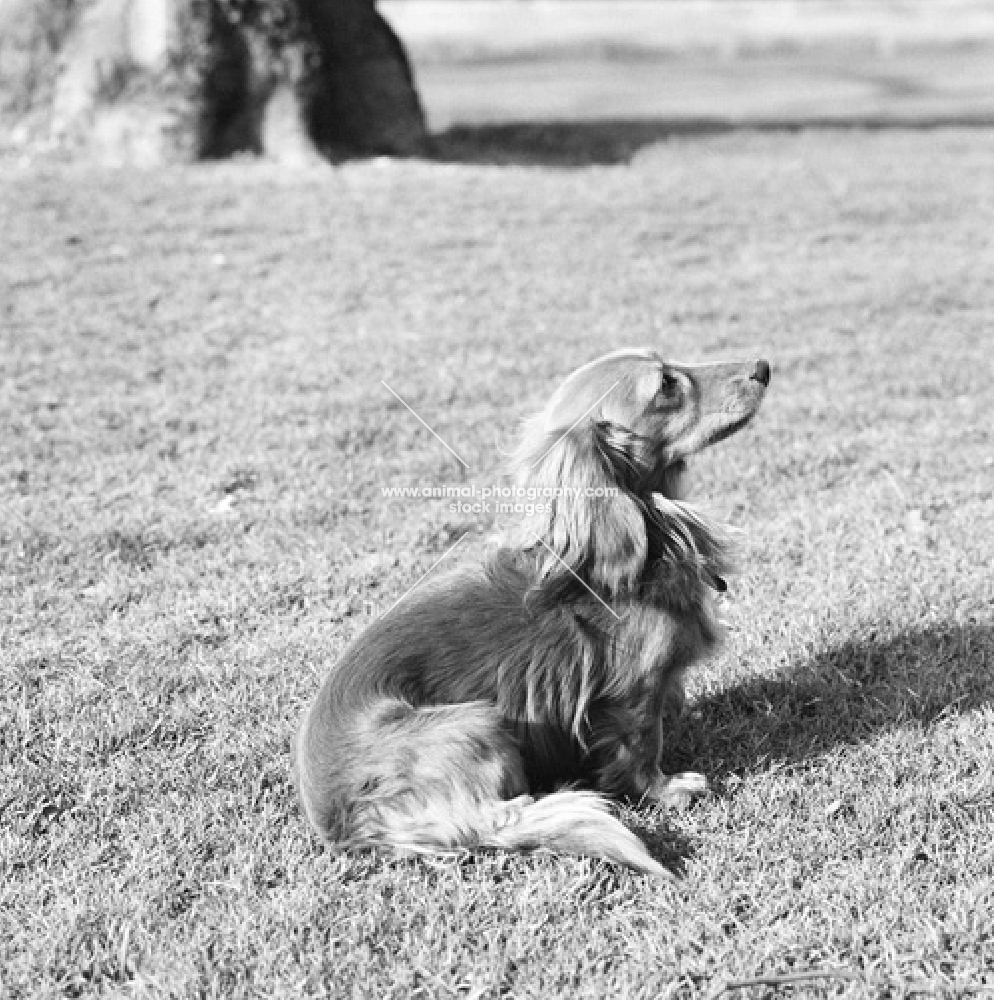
x=590, y=142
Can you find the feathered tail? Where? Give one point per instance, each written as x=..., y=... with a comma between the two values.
x=572, y=822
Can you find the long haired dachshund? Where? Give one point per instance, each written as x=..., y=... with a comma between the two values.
x=457, y=718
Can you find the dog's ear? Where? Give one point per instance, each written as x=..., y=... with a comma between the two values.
x=589, y=524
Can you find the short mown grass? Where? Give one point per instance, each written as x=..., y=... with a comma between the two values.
x=195, y=437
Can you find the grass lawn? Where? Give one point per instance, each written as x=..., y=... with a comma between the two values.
x=195, y=437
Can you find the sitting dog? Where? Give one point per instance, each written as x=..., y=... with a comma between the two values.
x=456, y=720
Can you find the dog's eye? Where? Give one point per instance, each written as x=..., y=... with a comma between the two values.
x=669, y=391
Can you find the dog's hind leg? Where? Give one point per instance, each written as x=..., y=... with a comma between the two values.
x=389, y=773
x=436, y=773
x=442, y=778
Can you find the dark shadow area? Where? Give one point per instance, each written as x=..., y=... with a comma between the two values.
x=845, y=696
x=668, y=846
x=842, y=697
x=616, y=141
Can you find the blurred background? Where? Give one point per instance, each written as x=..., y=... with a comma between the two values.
x=740, y=60
x=157, y=80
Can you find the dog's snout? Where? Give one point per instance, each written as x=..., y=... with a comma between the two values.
x=761, y=372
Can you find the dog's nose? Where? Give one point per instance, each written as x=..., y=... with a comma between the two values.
x=761, y=372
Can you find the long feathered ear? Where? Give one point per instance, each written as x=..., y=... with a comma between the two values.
x=680, y=537
x=588, y=524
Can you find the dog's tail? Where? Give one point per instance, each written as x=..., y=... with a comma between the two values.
x=568, y=821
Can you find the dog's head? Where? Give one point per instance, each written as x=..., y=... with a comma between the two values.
x=606, y=458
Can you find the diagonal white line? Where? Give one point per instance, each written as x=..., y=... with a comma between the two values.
x=572, y=425
x=584, y=582
x=449, y=550
x=427, y=428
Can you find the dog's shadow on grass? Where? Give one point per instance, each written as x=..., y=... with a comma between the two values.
x=846, y=695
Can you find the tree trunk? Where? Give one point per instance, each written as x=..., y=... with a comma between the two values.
x=150, y=81
x=362, y=97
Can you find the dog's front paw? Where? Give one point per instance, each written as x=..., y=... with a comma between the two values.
x=678, y=790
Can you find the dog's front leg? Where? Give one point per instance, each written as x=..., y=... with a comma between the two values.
x=631, y=774
x=626, y=754
x=673, y=790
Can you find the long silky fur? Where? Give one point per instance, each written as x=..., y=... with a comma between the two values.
x=457, y=719
x=602, y=539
